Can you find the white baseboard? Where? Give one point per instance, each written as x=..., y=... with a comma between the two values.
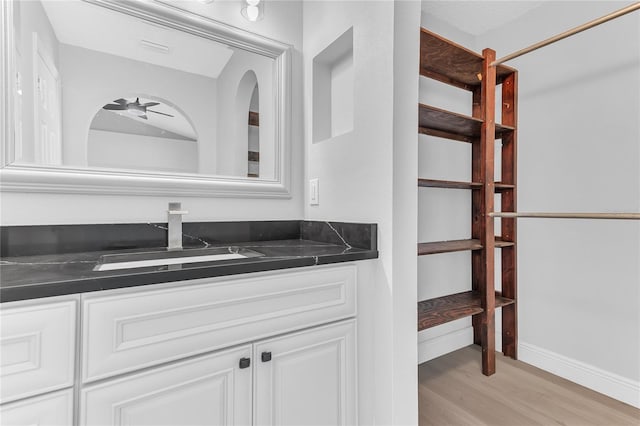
x=605, y=382
x=435, y=346
x=440, y=345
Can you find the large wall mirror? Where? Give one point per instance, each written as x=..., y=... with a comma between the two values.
x=140, y=97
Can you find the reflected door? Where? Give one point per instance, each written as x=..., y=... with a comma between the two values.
x=48, y=147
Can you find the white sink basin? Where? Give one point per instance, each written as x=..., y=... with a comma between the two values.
x=112, y=262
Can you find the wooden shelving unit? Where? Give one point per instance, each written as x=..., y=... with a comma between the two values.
x=450, y=63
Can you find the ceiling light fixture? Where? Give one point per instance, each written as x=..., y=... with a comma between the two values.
x=253, y=10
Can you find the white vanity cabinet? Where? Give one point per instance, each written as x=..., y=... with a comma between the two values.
x=269, y=349
x=276, y=348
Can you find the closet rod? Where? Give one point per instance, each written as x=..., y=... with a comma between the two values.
x=628, y=216
x=591, y=24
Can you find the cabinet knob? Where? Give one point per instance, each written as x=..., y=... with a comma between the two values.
x=266, y=356
x=245, y=362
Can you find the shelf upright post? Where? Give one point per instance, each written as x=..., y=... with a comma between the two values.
x=508, y=226
x=483, y=261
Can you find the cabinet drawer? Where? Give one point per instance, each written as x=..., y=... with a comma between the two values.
x=37, y=349
x=129, y=331
x=54, y=409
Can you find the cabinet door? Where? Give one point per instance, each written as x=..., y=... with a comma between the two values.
x=209, y=390
x=37, y=348
x=307, y=378
x=54, y=409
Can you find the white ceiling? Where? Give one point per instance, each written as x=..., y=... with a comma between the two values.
x=477, y=16
x=81, y=24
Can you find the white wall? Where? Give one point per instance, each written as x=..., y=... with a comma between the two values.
x=578, y=132
x=143, y=152
x=282, y=21
x=369, y=175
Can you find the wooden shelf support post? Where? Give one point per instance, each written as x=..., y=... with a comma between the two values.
x=483, y=261
x=508, y=226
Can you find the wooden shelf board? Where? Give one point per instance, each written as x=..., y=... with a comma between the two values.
x=445, y=135
x=502, y=187
x=448, y=246
x=451, y=246
x=433, y=118
x=444, y=309
x=451, y=63
x=451, y=125
x=434, y=183
x=502, y=129
x=500, y=243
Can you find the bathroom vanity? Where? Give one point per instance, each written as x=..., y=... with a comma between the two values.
x=268, y=339
x=248, y=322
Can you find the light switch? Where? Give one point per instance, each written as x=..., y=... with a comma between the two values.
x=314, y=192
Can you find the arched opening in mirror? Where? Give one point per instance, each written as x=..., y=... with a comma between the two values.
x=241, y=156
x=253, y=167
x=142, y=132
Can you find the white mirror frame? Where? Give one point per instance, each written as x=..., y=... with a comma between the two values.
x=34, y=178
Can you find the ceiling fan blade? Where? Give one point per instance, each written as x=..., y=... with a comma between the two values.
x=161, y=113
x=150, y=104
x=115, y=107
x=121, y=101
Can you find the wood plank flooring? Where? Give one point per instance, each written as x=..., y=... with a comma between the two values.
x=453, y=391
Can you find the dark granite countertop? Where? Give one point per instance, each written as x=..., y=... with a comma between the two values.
x=62, y=267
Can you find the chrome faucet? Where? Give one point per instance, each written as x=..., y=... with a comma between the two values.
x=174, y=230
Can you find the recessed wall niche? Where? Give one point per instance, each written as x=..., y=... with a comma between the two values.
x=333, y=89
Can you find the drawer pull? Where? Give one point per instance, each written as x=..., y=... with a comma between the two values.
x=245, y=362
x=266, y=356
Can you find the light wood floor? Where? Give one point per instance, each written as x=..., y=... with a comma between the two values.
x=453, y=391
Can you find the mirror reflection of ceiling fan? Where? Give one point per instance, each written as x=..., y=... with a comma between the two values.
x=134, y=108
